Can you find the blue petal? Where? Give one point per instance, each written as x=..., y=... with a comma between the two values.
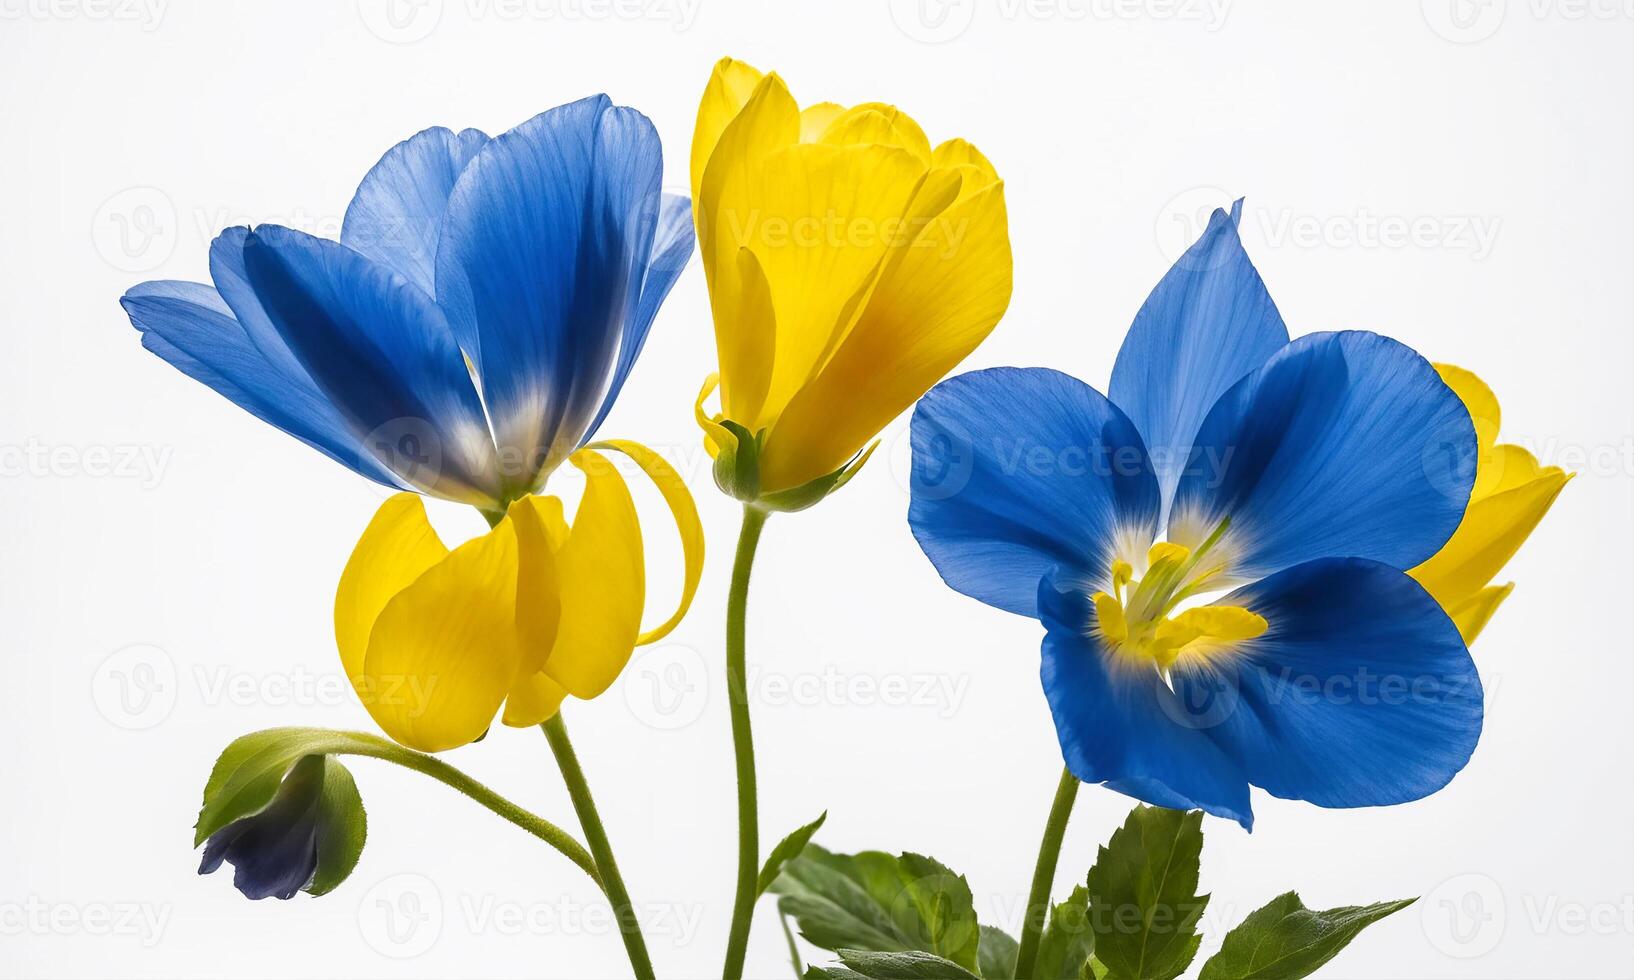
x=188, y=325
x=396, y=215
x=1208, y=323
x=1017, y=471
x=1120, y=725
x=1342, y=445
x=540, y=268
x=671, y=250
x=1361, y=693
x=382, y=353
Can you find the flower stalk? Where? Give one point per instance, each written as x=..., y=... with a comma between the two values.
x=743, y=747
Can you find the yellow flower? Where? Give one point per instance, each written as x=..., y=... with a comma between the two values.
x=850, y=266
x=435, y=641
x=1511, y=495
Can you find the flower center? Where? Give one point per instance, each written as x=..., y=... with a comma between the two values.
x=1138, y=618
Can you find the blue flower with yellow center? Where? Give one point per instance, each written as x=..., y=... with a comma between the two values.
x=1219, y=551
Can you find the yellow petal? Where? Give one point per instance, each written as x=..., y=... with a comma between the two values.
x=603, y=583
x=819, y=219
x=540, y=532
x=443, y=654
x=816, y=118
x=716, y=435
x=926, y=314
x=1477, y=398
x=729, y=88
x=1472, y=614
x=727, y=212
x=534, y=700
x=746, y=335
x=876, y=122
x=684, y=511
x=396, y=548
x=1493, y=529
x=960, y=153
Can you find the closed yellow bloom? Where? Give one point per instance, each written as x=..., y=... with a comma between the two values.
x=1512, y=492
x=850, y=266
x=435, y=640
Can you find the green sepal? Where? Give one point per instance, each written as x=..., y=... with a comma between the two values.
x=737, y=465
x=737, y=473
x=1143, y=904
x=808, y=494
x=1285, y=940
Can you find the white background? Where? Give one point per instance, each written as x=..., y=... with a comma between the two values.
x=154, y=535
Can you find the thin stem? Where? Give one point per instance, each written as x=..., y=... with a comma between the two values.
x=743, y=745
x=794, y=948
x=378, y=748
x=1049, y=853
x=612, y=882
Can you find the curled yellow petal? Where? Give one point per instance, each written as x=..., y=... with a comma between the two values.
x=396, y=548
x=603, y=583
x=443, y=653
x=685, y=512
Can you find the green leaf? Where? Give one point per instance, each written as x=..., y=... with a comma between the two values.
x=247, y=774
x=1285, y=940
x=878, y=903
x=997, y=955
x=787, y=850
x=1067, y=940
x=1142, y=902
x=910, y=965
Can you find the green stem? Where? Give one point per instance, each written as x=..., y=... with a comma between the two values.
x=743, y=745
x=373, y=747
x=794, y=948
x=612, y=882
x=1049, y=853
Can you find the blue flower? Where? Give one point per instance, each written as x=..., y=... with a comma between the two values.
x=1291, y=483
x=476, y=320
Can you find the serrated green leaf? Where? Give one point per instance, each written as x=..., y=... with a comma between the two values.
x=1285, y=940
x=787, y=850
x=909, y=965
x=1142, y=895
x=875, y=902
x=997, y=955
x=1067, y=939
